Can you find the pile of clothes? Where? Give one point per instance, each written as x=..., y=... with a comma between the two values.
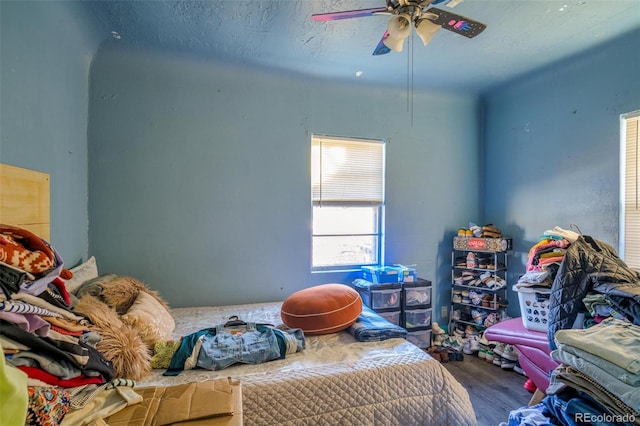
x=600, y=371
x=597, y=382
x=593, y=331
x=544, y=258
x=72, y=346
x=40, y=335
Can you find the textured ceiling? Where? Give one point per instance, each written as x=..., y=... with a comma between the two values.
x=521, y=36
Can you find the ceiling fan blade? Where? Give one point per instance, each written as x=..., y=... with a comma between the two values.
x=457, y=23
x=347, y=14
x=381, y=49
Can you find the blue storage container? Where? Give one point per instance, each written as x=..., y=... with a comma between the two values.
x=381, y=274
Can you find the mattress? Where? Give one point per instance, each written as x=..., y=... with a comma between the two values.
x=336, y=380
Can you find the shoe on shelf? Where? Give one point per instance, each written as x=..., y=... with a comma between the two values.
x=482, y=353
x=499, y=348
x=487, y=279
x=436, y=329
x=491, y=319
x=468, y=276
x=487, y=300
x=510, y=353
x=530, y=386
x=499, y=283
x=471, y=331
x=478, y=316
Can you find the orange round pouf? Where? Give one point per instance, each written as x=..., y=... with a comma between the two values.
x=323, y=309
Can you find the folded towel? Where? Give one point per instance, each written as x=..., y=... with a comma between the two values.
x=371, y=327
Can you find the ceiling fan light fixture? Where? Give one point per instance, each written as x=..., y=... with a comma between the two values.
x=426, y=28
x=399, y=28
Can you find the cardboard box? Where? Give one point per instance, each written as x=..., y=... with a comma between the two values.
x=212, y=402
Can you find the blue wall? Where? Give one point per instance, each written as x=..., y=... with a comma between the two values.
x=45, y=56
x=199, y=171
x=200, y=174
x=552, y=142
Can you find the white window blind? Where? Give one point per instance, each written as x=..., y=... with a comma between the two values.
x=631, y=195
x=347, y=171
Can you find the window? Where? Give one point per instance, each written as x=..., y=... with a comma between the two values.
x=630, y=190
x=347, y=193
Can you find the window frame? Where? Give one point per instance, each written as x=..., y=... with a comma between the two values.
x=624, y=243
x=380, y=214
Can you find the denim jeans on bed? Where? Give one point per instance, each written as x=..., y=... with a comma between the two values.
x=248, y=346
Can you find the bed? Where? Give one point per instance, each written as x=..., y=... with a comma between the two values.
x=336, y=379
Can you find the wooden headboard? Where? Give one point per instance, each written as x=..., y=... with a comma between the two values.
x=25, y=199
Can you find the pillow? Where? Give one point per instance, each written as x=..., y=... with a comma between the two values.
x=150, y=319
x=81, y=273
x=323, y=309
x=120, y=292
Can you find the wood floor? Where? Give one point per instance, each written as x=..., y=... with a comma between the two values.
x=494, y=392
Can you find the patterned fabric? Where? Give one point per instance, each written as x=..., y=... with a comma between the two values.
x=163, y=352
x=47, y=405
x=20, y=307
x=24, y=250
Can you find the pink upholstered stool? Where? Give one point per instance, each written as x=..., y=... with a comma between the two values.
x=533, y=346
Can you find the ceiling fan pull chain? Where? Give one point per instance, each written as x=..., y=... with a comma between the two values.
x=408, y=74
x=412, y=75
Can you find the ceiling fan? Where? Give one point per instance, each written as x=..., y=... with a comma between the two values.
x=427, y=21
